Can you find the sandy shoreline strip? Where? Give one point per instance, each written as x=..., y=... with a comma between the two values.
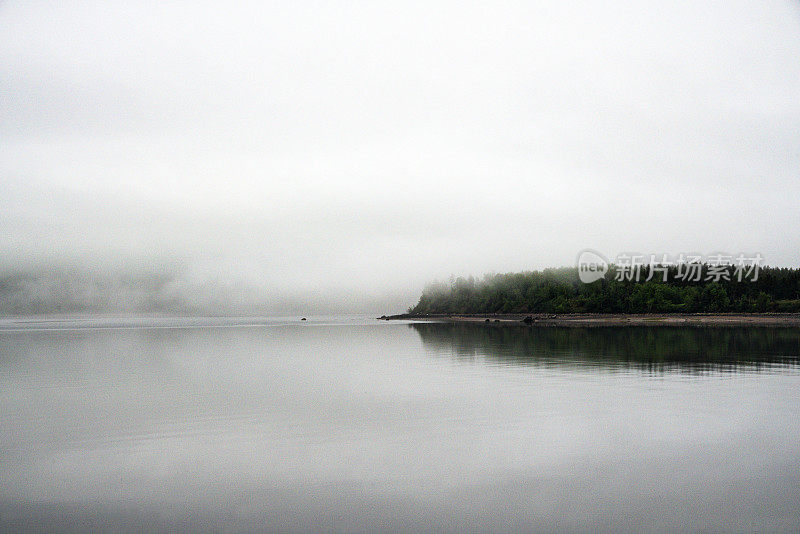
x=602, y=319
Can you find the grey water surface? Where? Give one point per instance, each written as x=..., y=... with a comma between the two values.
x=352, y=424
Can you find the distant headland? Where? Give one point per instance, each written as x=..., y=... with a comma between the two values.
x=711, y=296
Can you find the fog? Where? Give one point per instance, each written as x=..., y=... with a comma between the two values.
x=319, y=157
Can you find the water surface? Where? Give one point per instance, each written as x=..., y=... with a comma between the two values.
x=353, y=424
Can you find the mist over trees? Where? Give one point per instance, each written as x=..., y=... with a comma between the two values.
x=171, y=290
x=64, y=290
x=561, y=291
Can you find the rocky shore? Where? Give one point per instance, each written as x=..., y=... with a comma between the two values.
x=599, y=319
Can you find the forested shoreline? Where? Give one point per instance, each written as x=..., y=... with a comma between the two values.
x=560, y=290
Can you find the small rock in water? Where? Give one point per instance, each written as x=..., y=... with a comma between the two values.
x=303, y=319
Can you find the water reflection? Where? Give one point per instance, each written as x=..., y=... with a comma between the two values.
x=654, y=349
x=334, y=426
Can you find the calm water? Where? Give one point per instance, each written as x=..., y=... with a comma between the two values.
x=354, y=424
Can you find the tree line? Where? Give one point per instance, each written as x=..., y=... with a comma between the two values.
x=774, y=289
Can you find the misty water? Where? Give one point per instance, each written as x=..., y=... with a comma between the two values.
x=355, y=424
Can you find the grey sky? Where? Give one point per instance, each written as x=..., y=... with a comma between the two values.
x=360, y=149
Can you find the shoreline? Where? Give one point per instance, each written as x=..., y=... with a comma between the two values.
x=611, y=319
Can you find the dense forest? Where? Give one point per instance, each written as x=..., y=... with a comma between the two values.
x=561, y=291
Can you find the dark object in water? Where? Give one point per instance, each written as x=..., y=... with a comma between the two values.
x=487, y=320
x=303, y=319
x=497, y=320
x=528, y=320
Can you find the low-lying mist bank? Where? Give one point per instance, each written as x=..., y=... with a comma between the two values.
x=170, y=290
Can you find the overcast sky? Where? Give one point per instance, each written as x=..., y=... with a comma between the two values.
x=366, y=148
